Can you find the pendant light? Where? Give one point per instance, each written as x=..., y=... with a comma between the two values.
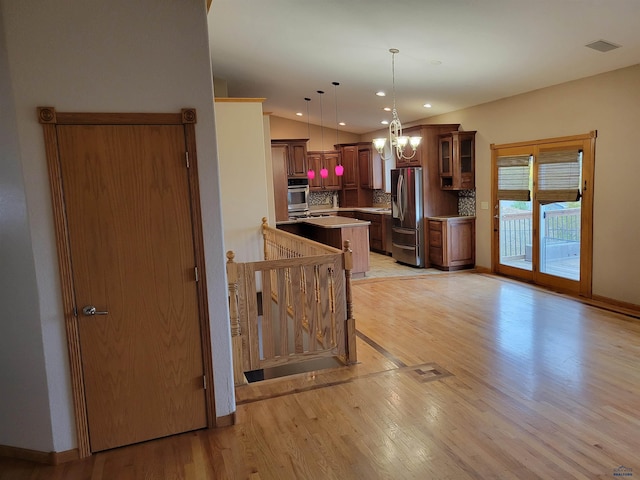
x=397, y=141
x=324, y=173
x=339, y=168
x=311, y=174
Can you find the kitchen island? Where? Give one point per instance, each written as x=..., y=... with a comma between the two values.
x=333, y=231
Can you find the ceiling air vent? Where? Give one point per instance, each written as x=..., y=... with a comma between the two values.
x=602, y=46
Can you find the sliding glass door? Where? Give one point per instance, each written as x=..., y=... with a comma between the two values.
x=543, y=212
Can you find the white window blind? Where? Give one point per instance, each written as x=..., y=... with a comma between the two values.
x=513, y=177
x=559, y=176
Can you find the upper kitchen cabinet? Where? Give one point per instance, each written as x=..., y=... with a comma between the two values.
x=369, y=167
x=326, y=159
x=435, y=200
x=408, y=160
x=295, y=152
x=457, y=160
x=349, y=155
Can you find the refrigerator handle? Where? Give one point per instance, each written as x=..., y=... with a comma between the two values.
x=400, y=198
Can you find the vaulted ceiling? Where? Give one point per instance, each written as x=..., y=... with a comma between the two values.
x=453, y=54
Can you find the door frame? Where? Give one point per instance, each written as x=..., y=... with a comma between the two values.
x=49, y=118
x=583, y=287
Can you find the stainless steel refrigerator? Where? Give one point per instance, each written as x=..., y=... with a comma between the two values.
x=406, y=207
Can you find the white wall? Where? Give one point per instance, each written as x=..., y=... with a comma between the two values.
x=91, y=55
x=245, y=199
x=24, y=400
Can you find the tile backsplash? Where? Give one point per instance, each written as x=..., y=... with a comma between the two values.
x=466, y=200
x=380, y=197
x=321, y=199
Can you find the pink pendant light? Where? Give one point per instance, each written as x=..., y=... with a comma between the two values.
x=324, y=173
x=311, y=174
x=339, y=168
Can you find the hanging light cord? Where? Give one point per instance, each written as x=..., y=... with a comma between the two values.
x=335, y=94
x=308, y=125
x=321, y=125
x=393, y=75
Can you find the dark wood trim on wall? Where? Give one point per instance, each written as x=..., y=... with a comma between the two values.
x=48, y=118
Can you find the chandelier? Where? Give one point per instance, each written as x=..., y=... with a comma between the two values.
x=397, y=141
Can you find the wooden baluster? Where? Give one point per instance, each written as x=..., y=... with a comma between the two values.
x=350, y=330
x=265, y=231
x=234, y=320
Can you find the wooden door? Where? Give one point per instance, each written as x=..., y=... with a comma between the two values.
x=131, y=240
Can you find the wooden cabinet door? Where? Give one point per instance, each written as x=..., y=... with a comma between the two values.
x=364, y=168
x=457, y=160
x=350, y=164
x=465, y=160
x=297, y=160
x=279, y=164
x=314, y=162
x=332, y=182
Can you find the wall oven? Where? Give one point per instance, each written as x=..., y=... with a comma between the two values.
x=298, y=196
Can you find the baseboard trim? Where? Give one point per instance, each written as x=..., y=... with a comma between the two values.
x=629, y=309
x=47, y=458
x=226, y=421
x=479, y=269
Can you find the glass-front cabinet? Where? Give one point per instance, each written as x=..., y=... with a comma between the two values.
x=457, y=160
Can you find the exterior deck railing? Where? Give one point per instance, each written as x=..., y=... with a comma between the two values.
x=516, y=230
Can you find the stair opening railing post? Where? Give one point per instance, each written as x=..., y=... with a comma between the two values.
x=350, y=322
x=234, y=320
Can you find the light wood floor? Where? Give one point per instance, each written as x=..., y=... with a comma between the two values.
x=461, y=376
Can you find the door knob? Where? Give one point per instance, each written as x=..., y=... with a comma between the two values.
x=90, y=310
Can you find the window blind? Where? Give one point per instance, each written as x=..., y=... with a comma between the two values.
x=559, y=176
x=513, y=177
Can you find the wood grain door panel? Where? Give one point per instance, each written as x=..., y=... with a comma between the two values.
x=126, y=196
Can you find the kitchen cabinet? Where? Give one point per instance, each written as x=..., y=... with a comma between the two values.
x=295, y=152
x=279, y=162
x=362, y=174
x=369, y=167
x=375, y=229
x=327, y=159
x=349, y=154
x=452, y=242
x=457, y=160
x=333, y=231
x=378, y=230
x=435, y=201
x=387, y=230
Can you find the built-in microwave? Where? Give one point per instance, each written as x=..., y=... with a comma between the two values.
x=298, y=195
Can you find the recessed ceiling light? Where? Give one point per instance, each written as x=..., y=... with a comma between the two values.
x=387, y=109
x=427, y=105
x=385, y=122
x=299, y=114
x=381, y=94
x=342, y=124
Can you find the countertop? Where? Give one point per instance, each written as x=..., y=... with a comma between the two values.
x=449, y=217
x=378, y=210
x=334, y=222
